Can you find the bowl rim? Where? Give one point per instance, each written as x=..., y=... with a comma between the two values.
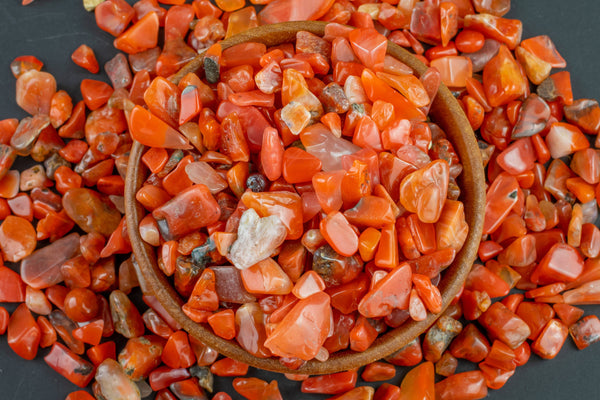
x=447, y=113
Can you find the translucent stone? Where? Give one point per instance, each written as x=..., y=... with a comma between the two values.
x=34, y=91
x=454, y=70
x=266, y=277
x=42, y=268
x=328, y=148
x=296, y=116
x=201, y=172
x=144, y=388
x=294, y=88
x=92, y=212
x=114, y=383
x=354, y=90
x=64, y=326
x=27, y=133
x=257, y=239
x=229, y=285
x=250, y=328
x=590, y=212
x=304, y=329
x=480, y=58
x=33, y=177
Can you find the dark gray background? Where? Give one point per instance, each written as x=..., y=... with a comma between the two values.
x=52, y=29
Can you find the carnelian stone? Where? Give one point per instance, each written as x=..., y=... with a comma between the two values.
x=429, y=293
x=74, y=368
x=84, y=57
x=34, y=92
x=568, y=314
x=339, y=234
x=48, y=333
x=518, y=157
x=564, y=139
x=500, y=198
x=163, y=376
x=292, y=10
x=61, y=107
x=389, y=293
x=416, y=306
x=551, y=339
x=362, y=334
x=369, y=46
x=520, y=253
x=585, y=331
x=204, y=296
x=287, y=206
x=250, y=388
x=281, y=341
x=223, y=324
x=12, y=288
x=79, y=395
x=387, y=391
x=561, y=263
x=143, y=35
x=469, y=41
x=503, y=80
x=585, y=294
x=409, y=355
x=90, y=211
x=378, y=371
x=536, y=315
x=470, y=344
x=330, y=384
x=4, y=317
x=419, y=382
x=42, y=268
x=23, y=333
x=266, y=277
x=454, y=70
x=22, y=64
x=90, y=333
x=446, y=365
x=507, y=31
x=95, y=93
x=125, y=316
x=141, y=355
x=438, y=337
x=424, y=191
x=229, y=367
x=196, y=203
x=503, y=324
x=469, y=385
x=177, y=352
x=151, y=131
x=81, y=305
x=377, y=89
x=251, y=335
x=113, y=16
x=342, y=325
x=101, y=352
x=17, y=238
x=299, y=166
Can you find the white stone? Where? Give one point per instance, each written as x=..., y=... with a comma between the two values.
x=257, y=239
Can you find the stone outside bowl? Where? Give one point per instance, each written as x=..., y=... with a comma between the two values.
x=445, y=111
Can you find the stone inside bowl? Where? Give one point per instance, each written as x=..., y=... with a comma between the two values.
x=445, y=111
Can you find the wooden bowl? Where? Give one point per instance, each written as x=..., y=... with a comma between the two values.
x=447, y=113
